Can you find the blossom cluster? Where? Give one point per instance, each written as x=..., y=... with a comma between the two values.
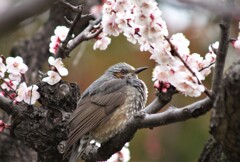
x=57, y=70
x=60, y=35
x=11, y=71
x=138, y=20
x=171, y=69
x=141, y=23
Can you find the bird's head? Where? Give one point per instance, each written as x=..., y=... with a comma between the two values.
x=124, y=70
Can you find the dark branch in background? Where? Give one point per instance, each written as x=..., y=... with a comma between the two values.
x=221, y=53
x=35, y=50
x=88, y=33
x=63, y=47
x=13, y=16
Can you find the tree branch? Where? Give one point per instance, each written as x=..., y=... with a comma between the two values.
x=8, y=106
x=221, y=53
x=85, y=34
x=160, y=101
x=173, y=114
x=63, y=47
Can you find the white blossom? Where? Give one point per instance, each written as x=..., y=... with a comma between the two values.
x=102, y=43
x=61, y=32
x=27, y=94
x=53, y=78
x=58, y=64
x=16, y=65
x=15, y=77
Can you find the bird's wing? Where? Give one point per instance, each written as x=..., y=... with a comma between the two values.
x=96, y=108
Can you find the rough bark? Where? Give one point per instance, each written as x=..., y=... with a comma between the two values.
x=43, y=128
x=225, y=121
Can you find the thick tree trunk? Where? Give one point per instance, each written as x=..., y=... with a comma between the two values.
x=225, y=121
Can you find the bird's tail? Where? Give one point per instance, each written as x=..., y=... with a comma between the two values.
x=78, y=149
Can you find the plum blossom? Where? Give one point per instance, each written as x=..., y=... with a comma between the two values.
x=53, y=78
x=16, y=65
x=54, y=44
x=15, y=77
x=123, y=155
x=60, y=35
x=58, y=64
x=27, y=94
x=138, y=21
x=102, y=43
x=175, y=73
x=9, y=84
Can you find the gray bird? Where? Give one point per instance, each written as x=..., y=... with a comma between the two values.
x=105, y=107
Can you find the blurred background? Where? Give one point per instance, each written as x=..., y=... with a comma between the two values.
x=179, y=142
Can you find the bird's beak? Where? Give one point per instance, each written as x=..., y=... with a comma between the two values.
x=139, y=70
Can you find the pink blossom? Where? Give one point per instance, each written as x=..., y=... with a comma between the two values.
x=60, y=35
x=54, y=44
x=102, y=43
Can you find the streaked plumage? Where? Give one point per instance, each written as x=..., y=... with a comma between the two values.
x=105, y=107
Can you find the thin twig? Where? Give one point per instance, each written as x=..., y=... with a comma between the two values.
x=63, y=47
x=69, y=5
x=221, y=55
x=85, y=34
x=207, y=66
x=5, y=92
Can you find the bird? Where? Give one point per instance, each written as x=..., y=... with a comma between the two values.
x=105, y=107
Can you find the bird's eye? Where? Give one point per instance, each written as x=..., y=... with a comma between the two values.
x=124, y=71
x=121, y=73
